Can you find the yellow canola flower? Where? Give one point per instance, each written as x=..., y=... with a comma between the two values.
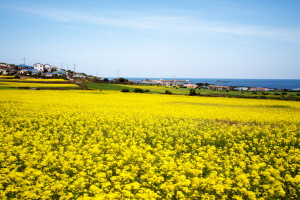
x=33, y=85
x=31, y=80
x=113, y=145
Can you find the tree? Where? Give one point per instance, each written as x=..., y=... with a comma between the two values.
x=193, y=92
x=200, y=84
x=122, y=80
x=106, y=80
x=125, y=90
x=139, y=90
x=168, y=92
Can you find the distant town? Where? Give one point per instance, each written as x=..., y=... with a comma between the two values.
x=38, y=70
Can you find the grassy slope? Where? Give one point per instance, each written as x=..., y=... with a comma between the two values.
x=3, y=87
x=159, y=89
x=153, y=89
x=107, y=86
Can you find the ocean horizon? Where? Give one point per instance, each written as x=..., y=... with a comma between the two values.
x=267, y=83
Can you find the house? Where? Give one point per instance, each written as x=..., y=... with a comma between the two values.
x=2, y=65
x=189, y=85
x=29, y=71
x=166, y=83
x=79, y=76
x=48, y=74
x=146, y=81
x=242, y=88
x=152, y=81
x=169, y=82
x=218, y=87
x=39, y=67
x=6, y=70
x=54, y=68
x=49, y=68
x=23, y=66
x=3, y=69
x=59, y=73
x=258, y=89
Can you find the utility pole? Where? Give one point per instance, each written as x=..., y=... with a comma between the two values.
x=74, y=68
x=118, y=73
x=24, y=60
x=67, y=67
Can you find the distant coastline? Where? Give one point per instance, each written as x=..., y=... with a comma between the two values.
x=268, y=83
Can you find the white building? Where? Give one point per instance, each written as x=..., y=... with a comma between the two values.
x=39, y=67
x=47, y=67
x=241, y=88
x=218, y=87
x=50, y=68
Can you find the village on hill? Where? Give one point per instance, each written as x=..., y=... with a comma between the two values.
x=38, y=70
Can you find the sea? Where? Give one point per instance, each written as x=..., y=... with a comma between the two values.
x=267, y=83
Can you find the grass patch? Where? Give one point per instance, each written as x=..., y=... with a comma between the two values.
x=3, y=87
x=131, y=88
x=203, y=92
x=107, y=86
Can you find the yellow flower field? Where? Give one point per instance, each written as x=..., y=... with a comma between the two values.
x=44, y=80
x=113, y=145
x=17, y=84
x=47, y=80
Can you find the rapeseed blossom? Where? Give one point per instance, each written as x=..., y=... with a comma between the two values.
x=113, y=145
x=38, y=85
x=32, y=80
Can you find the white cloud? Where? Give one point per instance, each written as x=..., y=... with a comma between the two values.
x=182, y=25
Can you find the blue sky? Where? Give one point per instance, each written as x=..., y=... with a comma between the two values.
x=156, y=38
